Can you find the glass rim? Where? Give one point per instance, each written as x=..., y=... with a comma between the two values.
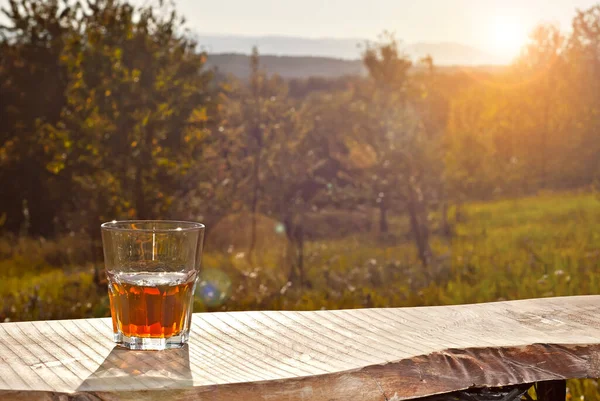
x=179, y=226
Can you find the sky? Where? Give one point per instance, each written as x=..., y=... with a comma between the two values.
x=497, y=26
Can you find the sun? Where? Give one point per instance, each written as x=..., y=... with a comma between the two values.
x=509, y=35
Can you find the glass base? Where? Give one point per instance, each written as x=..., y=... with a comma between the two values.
x=150, y=344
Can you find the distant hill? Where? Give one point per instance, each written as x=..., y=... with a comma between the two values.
x=446, y=53
x=286, y=66
x=303, y=67
x=282, y=46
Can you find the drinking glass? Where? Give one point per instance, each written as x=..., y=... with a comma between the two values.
x=152, y=268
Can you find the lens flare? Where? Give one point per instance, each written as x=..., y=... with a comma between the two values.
x=280, y=228
x=509, y=35
x=213, y=288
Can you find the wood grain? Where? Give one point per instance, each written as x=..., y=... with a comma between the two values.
x=367, y=354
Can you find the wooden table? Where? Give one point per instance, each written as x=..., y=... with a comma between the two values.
x=366, y=354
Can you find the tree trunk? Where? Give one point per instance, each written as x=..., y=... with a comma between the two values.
x=459, y=215
x=254, y=209
x=300, y=250
x=383, y=223
x=11, y=214
x=422, y=213
x=140, y=200
x=446, y=229
x=418, y=223
x=290, y=247
x=256, y=135
x=11, y=207
x=544, y=139
x=40, y=208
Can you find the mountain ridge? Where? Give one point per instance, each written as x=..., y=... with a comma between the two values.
x=443, y=53
x=294, y=67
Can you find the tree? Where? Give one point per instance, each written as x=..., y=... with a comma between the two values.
x=251, y=113
x=395, y=135
x=470, y=170
x=388, y=69
x=137, y=111
x=122, y=114
x=583, y=54
x=533, y=126
x=431, y=95
x=278, y=155
x=33, y=83
x=542, y=65
x=307, y=158
x=257, y=141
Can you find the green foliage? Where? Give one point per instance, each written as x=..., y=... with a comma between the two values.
x=130, y=112
x=535, y=126
x=44, y=280
x=137, y=113
x=32, y=88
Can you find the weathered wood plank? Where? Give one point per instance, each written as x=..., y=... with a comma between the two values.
x=369, y=354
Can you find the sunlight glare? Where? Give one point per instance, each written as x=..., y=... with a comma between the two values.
x=509, y=36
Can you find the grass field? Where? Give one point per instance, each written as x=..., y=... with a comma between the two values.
x=542, y=246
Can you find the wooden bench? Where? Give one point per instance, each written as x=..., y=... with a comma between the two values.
x=482, y=351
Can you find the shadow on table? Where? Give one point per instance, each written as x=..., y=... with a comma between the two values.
x=138, y=370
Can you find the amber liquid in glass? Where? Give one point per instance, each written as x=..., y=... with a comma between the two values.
x=151, y=305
